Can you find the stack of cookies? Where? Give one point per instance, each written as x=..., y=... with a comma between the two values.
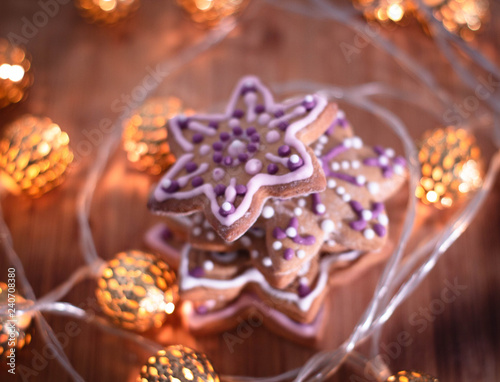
x=263, y=202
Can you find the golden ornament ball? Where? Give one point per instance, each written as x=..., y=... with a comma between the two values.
x=145, y=135
x=15, y=73
x=411, y=376
x=385, y=10
x=178, y=364
x=451, y=166
x=15, y=331
x=462, y=17
x=210, y=13
x=106, y=11
x=34, y=155
x=137, y=291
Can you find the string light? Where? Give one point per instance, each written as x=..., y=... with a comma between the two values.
x=451, y=166
x=34, y=155
x=106, y=11
x=411, y=376
x=15, y=74
x=137, y=291
x=385, y=10
x=178, y=364
x=145, y=135
x=17, y=337
x=209, y=13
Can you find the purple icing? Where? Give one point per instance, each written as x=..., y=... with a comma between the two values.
x=371, y=162
x=251, y=130
x=378, y=207
x=166, y=234
x=198, y=138
x=183, y=123
x=303, y=290
x=238, y=113
x=346, y=177
x=241, y=189
x=316, y=199
x=379, y=150
x=358, y=225
x=288, y=254
x=202, y=310
x=283, y=125
x=237, y=131
x=337, y=150
x=260, y=109
x=224, y=136
x=356, y=206
x=213, y=125
x=294, y=166
x=309, y=105
x=219, y=189
x=248, y=89
x=294, y=222
x=174, y=186
x=251, y=148
x=272, y=168
x=379, y=229
x=191, y=167
x=218, y=146
x=217, y=157
x=197, y=181
x=400, y=161
x=284, y=151
x=304, y=240
x=242, y=157
x=279, y=113
x=387, y=172
x=279, y=234
x=228, y=161
x=255, y=138
x=196, y=272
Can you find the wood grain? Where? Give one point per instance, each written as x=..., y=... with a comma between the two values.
x=83, y=74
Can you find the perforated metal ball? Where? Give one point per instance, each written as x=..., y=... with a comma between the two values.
x=178, y=364
x=34, y=155
x=145, y=135
x=106, y=11
x=15, y=331
x=451, y=166
x=411, y=376
x=15, y=73
x=209, y=13
x=137, y=290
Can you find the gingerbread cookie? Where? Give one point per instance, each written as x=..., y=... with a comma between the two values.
x=229, y=164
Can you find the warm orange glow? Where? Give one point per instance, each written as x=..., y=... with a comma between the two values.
x=385, y=10
x=34, y=155
x=209, y=13
x=451, y=166
x=137, y=290
x=15, y=74
x=106, y=11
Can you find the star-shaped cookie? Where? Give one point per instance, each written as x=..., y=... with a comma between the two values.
x=229, y=164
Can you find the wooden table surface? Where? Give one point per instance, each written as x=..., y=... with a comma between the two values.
x=83, y=74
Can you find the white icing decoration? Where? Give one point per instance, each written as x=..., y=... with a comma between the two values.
x=373, y=187
x=234, y=122
x=268, y=212
x=267, y=262
x=383, y=219
x=297, y=211
x=291, y=232
x=218, y=173
x=245, y=240
x=347, y=143
x=346, y=198
x=210, y=236
x=355, y=164
x=341, y=114
x=328, y=226
x=345, y=165
x=357, y=143
x=321, y=208
x=197, y=231
x=208, y=265
x=253, y=166
x=309, y=98
x=277, y=245
x=272, y=136
x=304, y=281
x=361, y=179
x=390, y=152
x=340, y=190
x=323, y=139
x=236, y=147
x=165, y=183
x=331, y=183
x=383, y=160
x=398, y=169
x=317, y=152
x=204, y=149
x=198, y=218
x=366, y=215
x=331, y=242
x=302, y=203
x=254, y=253
x=304, y=269
x=294, y=159
x=369, y=233
x=264, y=119
x=335, y=166
x=301, y=253
x=226, y=206
x=227, y=257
